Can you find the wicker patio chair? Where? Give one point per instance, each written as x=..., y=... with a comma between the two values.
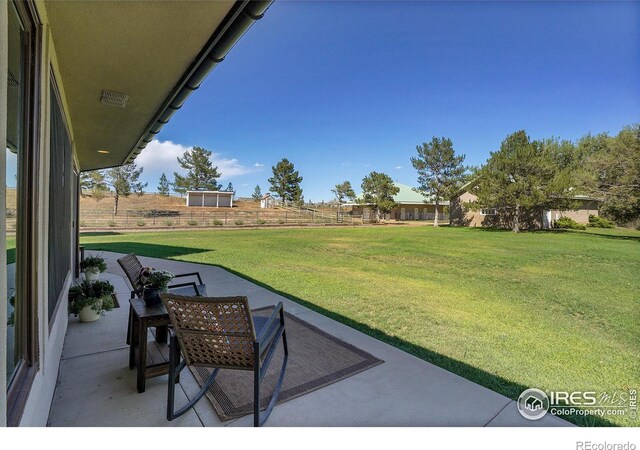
x=221, y=333
x=133, y=270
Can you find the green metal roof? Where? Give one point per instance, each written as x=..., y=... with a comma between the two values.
x=406, y=195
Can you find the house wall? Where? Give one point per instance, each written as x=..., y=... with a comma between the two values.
x=463, y=216
x=51, y=332
x=4, y=9
x=581, y=215
x=396, y=213
x=221, y=200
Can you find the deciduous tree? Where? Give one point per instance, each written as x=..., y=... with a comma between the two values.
x=377, y=193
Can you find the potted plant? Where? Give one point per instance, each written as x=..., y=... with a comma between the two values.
x=92, y=267
x=154, y=281
x=90, y=299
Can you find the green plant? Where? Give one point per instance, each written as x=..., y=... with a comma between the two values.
x=111, y=223
x=95, y=294
x=192, y=222
x=569, y=223
x=600, y=222
x=93, y=263
x=280, y=221
x=217, y=223
x=261, y=221
x=168, y=223
x=141, y=223
x=239, y=222
x=83, y=223
x=159, y=279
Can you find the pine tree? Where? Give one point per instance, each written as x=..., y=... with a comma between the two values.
x=229, y=187
x=520, y=179
x=343, y=191
x=201, y=174
x=93, y=182
x=377, y=193
x=163, y=185
x=439, y=171
x=257, y=193
x=124, y=182
x=286, y=182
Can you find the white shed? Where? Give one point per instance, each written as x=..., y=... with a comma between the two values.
x=216, y=199
x=267, y=201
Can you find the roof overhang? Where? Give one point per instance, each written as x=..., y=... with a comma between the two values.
x=155, y=52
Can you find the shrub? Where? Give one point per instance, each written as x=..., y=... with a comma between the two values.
x=96, y=294
x=83, y=224
x=569, y=223
x=217, y=223
x=261, y=222
x=92, y=263
x=192, y=222
x=141, y=223
x=239, y=222
x=600, y=222
x=167, y=223
x=280, y=221
x=112, y=223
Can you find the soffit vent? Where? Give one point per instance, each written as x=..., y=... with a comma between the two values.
x=113, y=98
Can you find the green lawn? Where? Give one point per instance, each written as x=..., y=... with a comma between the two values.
x=552, y=310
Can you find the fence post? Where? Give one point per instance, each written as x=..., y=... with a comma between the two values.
x=225, y=218
x=153, y=218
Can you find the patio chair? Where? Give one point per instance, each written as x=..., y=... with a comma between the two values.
x=133, y=270
x=221, y=333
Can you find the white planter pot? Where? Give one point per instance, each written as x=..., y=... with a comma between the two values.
x=91, y=274
x=88, y=315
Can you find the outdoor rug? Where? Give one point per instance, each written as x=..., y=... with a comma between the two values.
x=316, y=359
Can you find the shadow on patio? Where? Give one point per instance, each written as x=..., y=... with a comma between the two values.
x=96, y=387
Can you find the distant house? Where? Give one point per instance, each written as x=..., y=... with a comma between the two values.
x=411, y=205
x=215, y=199
x=267, y=201
x=462, y=215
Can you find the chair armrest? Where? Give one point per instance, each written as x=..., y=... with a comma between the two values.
x=191, y=274
x=179, y=285
x=266, y=337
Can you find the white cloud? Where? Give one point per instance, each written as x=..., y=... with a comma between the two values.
x=160, y=156
x=258, y=165
x=398, y=167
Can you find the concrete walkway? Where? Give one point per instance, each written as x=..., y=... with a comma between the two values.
x=96, y=388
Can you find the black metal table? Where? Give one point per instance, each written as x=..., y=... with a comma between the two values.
x=143, y=317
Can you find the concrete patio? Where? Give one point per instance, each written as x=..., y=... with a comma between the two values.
x=96, y=388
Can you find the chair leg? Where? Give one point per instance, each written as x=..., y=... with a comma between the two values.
x=256, y=385
x=175, y=367
x=260, y=418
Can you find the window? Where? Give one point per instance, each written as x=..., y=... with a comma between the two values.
x=61, y=187
x=21, y=157
x=488, y=212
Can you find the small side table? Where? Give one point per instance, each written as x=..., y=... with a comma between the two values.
x=144, y=317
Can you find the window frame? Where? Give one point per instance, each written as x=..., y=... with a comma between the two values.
x=483, y=212
x=26, y=338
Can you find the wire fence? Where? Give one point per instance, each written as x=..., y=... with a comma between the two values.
x=209, y=219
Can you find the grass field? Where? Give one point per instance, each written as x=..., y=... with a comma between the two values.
x=552, y=310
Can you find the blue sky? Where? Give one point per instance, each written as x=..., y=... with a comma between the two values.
x=344, y=88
